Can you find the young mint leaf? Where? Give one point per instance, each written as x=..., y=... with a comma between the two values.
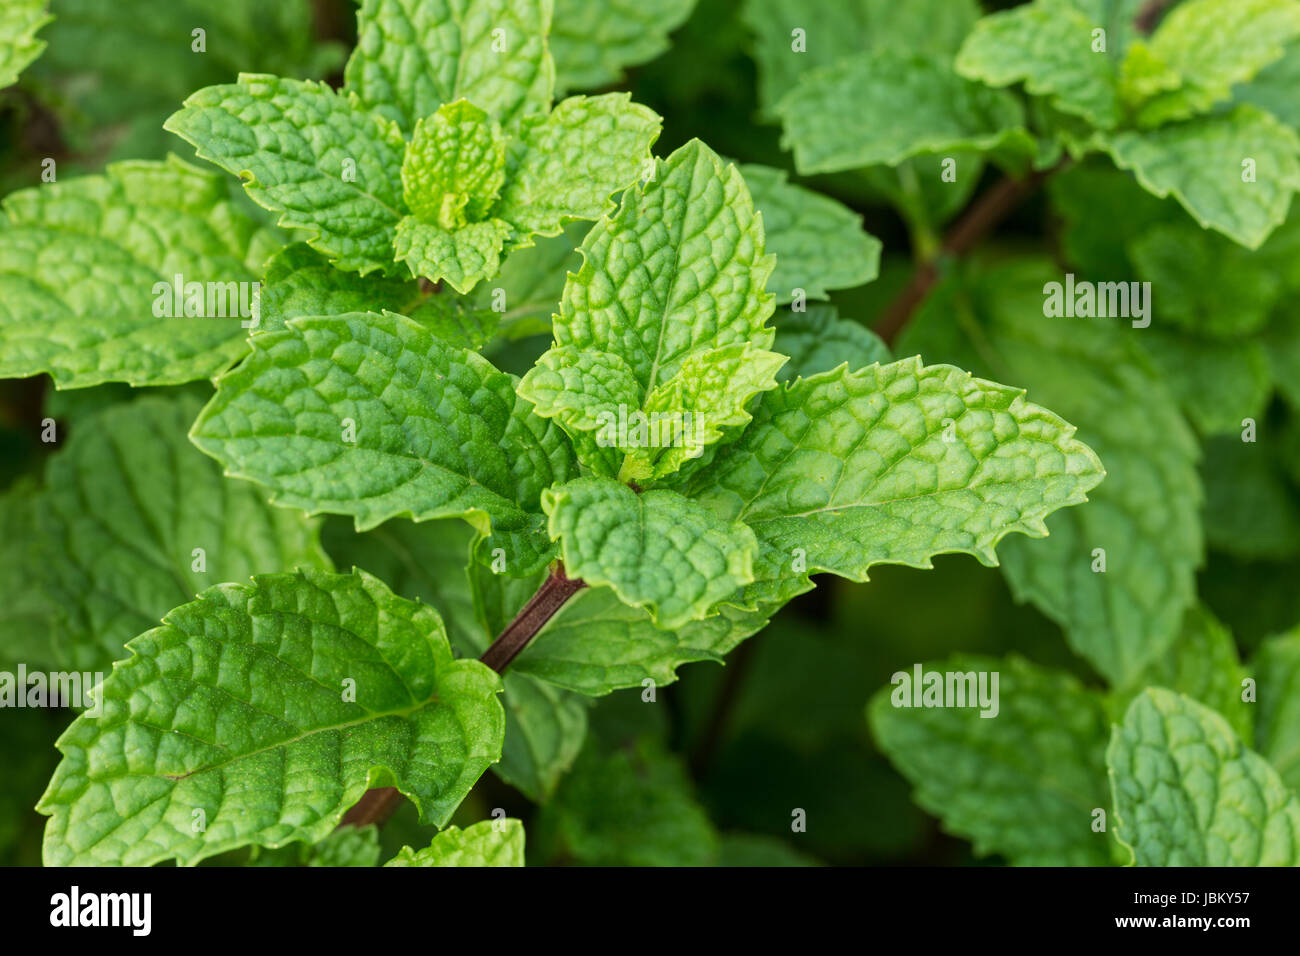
x=455, y=166
x=20, y=21
x=463, y=256
x=1049, y=45
x=818, y=340
x=854, y=28
x=412, y=56
x=593, y=42
x=113, y=543
x=1203, y=664
x=1277, y=729
x=1188, y=792
x=1234, y=171
x=893, y=464
x=819, y=244
x=1210, y=46
x=312, y=155
x=268, y=709
x=676, y=276
x=1024, y=782
x=891, y=106
x=488, y=843
x=657, y=550
x=373, y=416
x=88, y=268
x=1142, y=524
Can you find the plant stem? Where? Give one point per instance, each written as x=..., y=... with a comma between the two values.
x=377, y=805
x=1146, y=18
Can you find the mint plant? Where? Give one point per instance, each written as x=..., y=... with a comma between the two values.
x=472, y=411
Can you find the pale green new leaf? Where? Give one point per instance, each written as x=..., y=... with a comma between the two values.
x=134, y=521
x=487, y=843
x=1211, y=46
x=1277, y=729
x=20, y=20
x=1205, y=163
x=1049, y=46
x=412, y=56
x=87, y=268
x=891, y=106
x=678, y=271
x=657, y=550
x=241, y=706
x=454, y=167
x=373, y=416
x=1188, y=792
x=1023, y=783
x=819, y=244
x=845, y=29
x=312, y=155
x=593, y=42
x=464, y=256
x=894, y=464
x=819, y=340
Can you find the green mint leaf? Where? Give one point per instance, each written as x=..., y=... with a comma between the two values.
x=1274, y=88
x=593, y=42
x=749, y=849
x=1210, y=46
x=489, y=843
x=1251, y=508
x=526, y=293
x=1024, y=782
x=1217, y=382
x=1203, y=664
x=846, y=470
x=818, y=340
x=597, y=644
x=312, y=155
x=412, y=56
x=88, y=271
x=20, y=21
x=346, y=846
x=1049, y=45
x=1206, y=164
x=818, y=243
x=890, y=107
x=1144, y=518
x=455, y=166
x=678, y=271
x=1277, y=729
x=112, y=545
x=1188, y=792
x=657, y=550
x=372, y=416
x=463, y=256
x=238, y=706
x=837, y=31
x=631, y=806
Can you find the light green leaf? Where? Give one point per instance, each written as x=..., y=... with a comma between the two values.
x=346, y=846
x=236, y=707
x=657, y=550
x=893, y=464
x=436, y=431
x=312, y=155
x=818, y=340
x=678, y=271
x=853, y=28
x=569, y=163
x=892, y=106
x=1203, y=163
x=464, y=256
x=1274, y=88
x=86, y=266
x=454, y=167
x=300, y=281
x=819, y=244
x=133, y=521
x=1188, y=792
x=1144, y=517
x=20, y=20
x=1049, y=46
x=1203, y=664
x=488, y=843
x=1212, y=45
x=412, y=56
x=593, y=42
x=1277, y=729
x=1022, y=783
